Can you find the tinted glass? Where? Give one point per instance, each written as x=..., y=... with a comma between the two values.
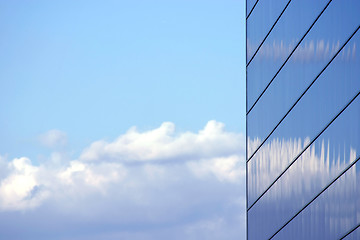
x=279, y=44
x=303, y=114
x=249, y=5
x=323, y=161
x=316, y=50
x=334, y=213
x=355, y=235
x=261, y=19
x=338, y=84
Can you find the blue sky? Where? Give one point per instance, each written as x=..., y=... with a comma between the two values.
x=106, y=105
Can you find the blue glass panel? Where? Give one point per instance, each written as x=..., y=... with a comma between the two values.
x=308, y=60
x=249, y=5
x=334, y=213
x=355, y=235
x=323, y=161
x=292, y=25
x=329, y=94
x=261, y=19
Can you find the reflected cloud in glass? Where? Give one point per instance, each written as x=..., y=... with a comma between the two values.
x=321, y=162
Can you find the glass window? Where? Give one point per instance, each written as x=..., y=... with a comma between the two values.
x=308, y=60
x=249, y=5
x=323, y=161
x=355, y=235
x=338, y=84
x=292, y=25
x=261, y=19
x=333, y=214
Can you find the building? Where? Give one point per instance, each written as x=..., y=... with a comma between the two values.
x=303, y=119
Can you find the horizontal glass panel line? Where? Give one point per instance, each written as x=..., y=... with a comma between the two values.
x=286, y=60
x=312, y=83
x=268, y=33
x=347, y=234
x=312, y=200
x=251, y=9
x=307, y=146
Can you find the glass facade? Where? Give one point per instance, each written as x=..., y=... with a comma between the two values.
x=303, y=119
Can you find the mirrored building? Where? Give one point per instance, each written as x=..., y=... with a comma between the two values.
x=303, y=119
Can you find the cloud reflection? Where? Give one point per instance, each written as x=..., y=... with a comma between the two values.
x=311, y=50
x=322, y=162
x=318, y=163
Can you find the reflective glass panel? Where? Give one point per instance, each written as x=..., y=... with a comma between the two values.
x=292, y=25
x=336, y=148
x=338, y=84
x=355, y=235
x=316, y=50
x=333, y=214
x=249, y=5
x=261, y=19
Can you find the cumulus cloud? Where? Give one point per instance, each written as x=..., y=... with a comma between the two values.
x=224, y=168
x=53, y=139
x=149, y=181
x=19, y=190
x=163, y=144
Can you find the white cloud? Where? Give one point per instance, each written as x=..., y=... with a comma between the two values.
x=90, y=174
x=19, y=190
x=53, y=139
x=229, y=168
x=160, y=179
x=163, y=144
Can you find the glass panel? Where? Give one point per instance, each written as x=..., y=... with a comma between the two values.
x=334, y=213
x=322, y=162
x=249, y=5
x=355, y=235
x=329, y=94
x=308, y=60
x=292, y=25
x=261, y=19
